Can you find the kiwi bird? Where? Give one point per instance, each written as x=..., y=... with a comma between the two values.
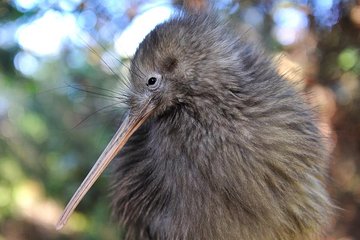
x=215, y=145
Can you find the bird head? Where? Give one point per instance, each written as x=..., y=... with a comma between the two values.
x=182, y=63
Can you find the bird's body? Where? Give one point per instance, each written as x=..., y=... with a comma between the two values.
x=230, y=150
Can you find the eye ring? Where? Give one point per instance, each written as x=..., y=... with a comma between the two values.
x=153, y=81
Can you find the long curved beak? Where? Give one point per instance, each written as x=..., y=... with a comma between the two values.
x=127, y=128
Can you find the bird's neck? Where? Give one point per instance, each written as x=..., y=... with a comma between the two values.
x=196, y=136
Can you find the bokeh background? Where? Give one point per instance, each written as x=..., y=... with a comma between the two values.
x=62, y=61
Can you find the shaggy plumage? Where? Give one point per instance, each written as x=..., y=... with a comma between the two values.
x=231, y=151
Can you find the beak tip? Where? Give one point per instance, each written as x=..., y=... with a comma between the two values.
x=59, y=226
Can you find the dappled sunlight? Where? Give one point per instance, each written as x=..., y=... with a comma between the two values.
x=45, y=35
x=128, y=41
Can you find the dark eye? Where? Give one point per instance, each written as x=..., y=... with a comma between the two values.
x=151, y=81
